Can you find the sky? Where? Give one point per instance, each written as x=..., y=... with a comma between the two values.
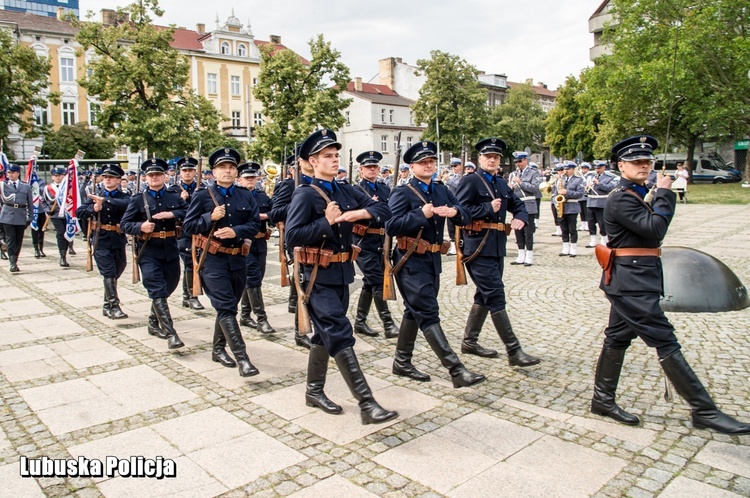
x=543, y=40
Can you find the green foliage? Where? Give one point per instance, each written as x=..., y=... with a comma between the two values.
x=298, y=98
x=141, y=79
x=573, y=125
x=520, y=120
x=23, y=85
x=67, y=140
x=453, y=93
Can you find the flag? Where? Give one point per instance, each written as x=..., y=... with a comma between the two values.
x=32, y=178
x=3, y=165
x=68, y=199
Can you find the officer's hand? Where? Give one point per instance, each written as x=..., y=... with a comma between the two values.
x=147, y=226
x=184, y=194
x=428, y=210
x=352, y=216
x=97, y=207
x=445, y=211
x=164, y=215
x=663, y=181
x=496, y=205
x=218, y=213
x=595, y=181
x=332, y=212
x=225, y=233
x=562, y=191
x=517, y=224
x=263, y=217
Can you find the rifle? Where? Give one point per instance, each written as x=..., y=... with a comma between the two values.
x=282, y=256
x=197, y=287
x=389, y=291
x=136, y=272
x=303, y=316
x=460, y=269
x=146, y=238
x=89, y=251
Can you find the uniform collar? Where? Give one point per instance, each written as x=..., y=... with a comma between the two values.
x=156, y=193
x=304, y=178
x=638, y=189
x=226, y=192
x=490, y=178
x=424, y=187
x=325, y=185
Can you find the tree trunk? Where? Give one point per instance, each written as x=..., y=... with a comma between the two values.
x=689, y=161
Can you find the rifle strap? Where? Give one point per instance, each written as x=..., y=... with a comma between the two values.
x=409, y=251
x=471, y=258
x=202, y=258
x=305, y=297
x=322, y=193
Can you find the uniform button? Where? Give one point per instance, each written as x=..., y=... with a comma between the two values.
x=342, y=247
x=324, y=236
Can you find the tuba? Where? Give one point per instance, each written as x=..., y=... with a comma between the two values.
x=272, y=171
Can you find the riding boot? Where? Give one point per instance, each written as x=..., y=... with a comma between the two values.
x=317, y=366
x=63, y=260
x=161, y=308
x=391, y=330
x=13, y=263
x=153, y=324
x=292, y=307
x=114, y=301
x=188, y=299
x=233, y=335
x=407, y=336
x=371, y=411
x=3, y=248
x=41, y=246
x=71, y=251
x=363, y=309
x=460, y=375
x=245, y=308
x=218, y=353
x=516, y=356
x=477, y=316
x=705, y=413
x=106, y=307
x=37, y=254
x=605, y=386
x=256, y=301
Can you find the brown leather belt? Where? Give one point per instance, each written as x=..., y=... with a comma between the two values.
x=423, y=246
x=263, y=235
x=215, y=246
x=324, y=257
x=106, y=228
x=375, y=231
x=636, y=251
x=479, y=225
x=160, y=235
x=362, y=230
x=605, y=256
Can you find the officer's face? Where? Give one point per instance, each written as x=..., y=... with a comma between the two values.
x=249, y=182
x=522, y=164
x=636, y=171
x=110, y=182
x=424, y=169
x=55, y=178
x=225, y=173
x=306, y=167
x=489, y=162
x=326, y=163
x=187, y=175
x=155, y=180
x=369, y=172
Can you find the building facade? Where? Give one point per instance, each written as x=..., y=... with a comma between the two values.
x=597, y=21
x=47, y=8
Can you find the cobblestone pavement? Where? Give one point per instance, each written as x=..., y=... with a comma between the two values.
x=75, y=384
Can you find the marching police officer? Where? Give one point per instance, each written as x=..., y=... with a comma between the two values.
x=419, y=212
x=104, y=210
x=320, y=220
x=51, y=192
x=601, y=183
x=186, y=185
x=17, y=210
x=370, y=238
x=586, y=175
x=571, y=188
x=526, y=181
x=151, y=218
x=224, y=217
x=633, y=284
x=488, y=198
x=252, y=298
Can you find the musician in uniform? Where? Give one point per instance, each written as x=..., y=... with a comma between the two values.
x=51, y=193
x=488, y=199
x=186, y=185
x=17, y=211
x=419, y=212
x=526, y=183
x=151, y=218
x=225, y=218
x=321, y=218
x=404, y=175
x=571, y=188
x=601, y=183
x=104, y=209
x=282, y=198
x=252, y=298
x=370, y=238
x=586, y=173
x=636, y=225
x=555, y=175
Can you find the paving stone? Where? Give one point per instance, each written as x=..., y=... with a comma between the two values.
x=682, y=486
x=729, y=457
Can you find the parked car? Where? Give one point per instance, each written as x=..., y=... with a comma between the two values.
x=707, y=167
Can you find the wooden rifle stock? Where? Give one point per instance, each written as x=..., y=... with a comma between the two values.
x=89, y=249
x=282, y=256
x=389, y=290
x=303, y=316
x=136, y=270
x=460, y=269
x=197, y=289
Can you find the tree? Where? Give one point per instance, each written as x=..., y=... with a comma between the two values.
x=573, y=125
x=68, y=139
x=141, y=79
x=520, y=120
x=453, y=94
x=23, y=85
x=680, y=65
x=298, y=98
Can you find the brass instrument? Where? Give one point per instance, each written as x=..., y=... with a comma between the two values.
x=559, y=199
x=272, y=171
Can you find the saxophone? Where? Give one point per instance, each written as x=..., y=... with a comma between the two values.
x=559, y=199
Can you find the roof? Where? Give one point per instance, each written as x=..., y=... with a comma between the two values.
x=373, y=89
x=186, y=39
x=599, y=10
x=279, y=47
x=379, y=94
x=539, y=90
x=37, y=23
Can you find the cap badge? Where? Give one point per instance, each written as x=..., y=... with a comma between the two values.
x=424, y=144
x=226, y=151
x=643, y=140
x=324, y=132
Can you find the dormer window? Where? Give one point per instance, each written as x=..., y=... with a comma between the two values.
x=242, y=50
x=225, y=49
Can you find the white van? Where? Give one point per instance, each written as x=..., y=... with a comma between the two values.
x=707, y=167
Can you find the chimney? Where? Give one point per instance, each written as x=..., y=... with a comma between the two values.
x=385, y=71
x=200, y=28
x=60, y=13
x=275, y=39
x=108, y=17
x=530, y=81
x=357, y=84
x=541, y=85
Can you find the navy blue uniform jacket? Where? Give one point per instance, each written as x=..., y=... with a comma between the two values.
x=135, y=215
x=113, y=208
x=372, y=242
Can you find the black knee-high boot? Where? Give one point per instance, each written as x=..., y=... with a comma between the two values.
x=371, y=411
x=607, y=377
x=460, y=375
x=402, y=365
x=469, y=345
x=317, y=367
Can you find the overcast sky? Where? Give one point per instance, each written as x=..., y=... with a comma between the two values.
x=546, y=40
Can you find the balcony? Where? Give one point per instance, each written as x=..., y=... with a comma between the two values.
x=235, y=131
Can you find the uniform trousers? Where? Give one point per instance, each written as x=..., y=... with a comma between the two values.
x=327, y=306
x=582, y=204
x=184, y=246
x=14, y=238
x=372, y=266
x=554, y=215
x=62, y=243
x=639, y=315
x=487, y=275
x=568, y=227
x=255, y=269
x=110, y=262
x=419, y=291
x=525, y=236
x=37, y=236
x=160, y=276
x=222, y=285
x=596, y=217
